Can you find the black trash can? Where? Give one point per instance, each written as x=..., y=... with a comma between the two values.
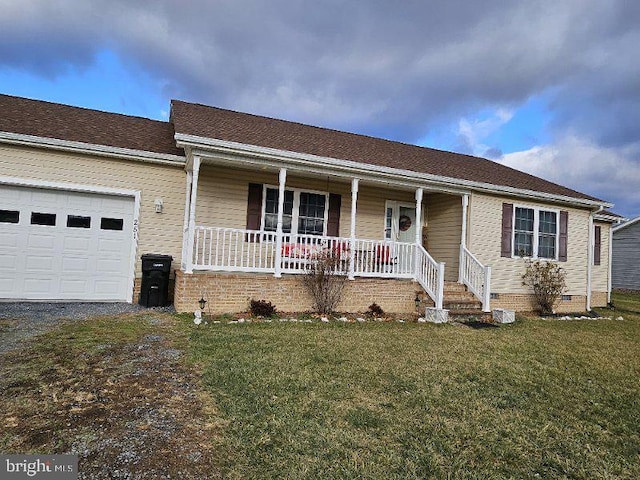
x=154, y=290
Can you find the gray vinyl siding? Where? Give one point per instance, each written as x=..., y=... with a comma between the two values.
x=626, y=258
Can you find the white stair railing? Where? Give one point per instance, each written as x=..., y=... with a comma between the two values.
x=430, y=275
x=476, y=276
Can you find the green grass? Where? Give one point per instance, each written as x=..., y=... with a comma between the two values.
x=537, y=399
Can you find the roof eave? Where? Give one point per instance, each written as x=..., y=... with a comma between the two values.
x=90, y=148
x=352, y=168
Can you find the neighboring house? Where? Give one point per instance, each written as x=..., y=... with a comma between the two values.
x=242, y=202
x=626, y=255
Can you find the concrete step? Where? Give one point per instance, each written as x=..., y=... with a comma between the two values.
x=473, y=306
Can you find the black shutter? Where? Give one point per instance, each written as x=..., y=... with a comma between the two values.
x=597, y=246
x=333, y=220
x=564, y=236
x=507, y=230
x=254, y=209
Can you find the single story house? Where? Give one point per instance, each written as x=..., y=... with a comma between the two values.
x=241, y=202
x=625, y=258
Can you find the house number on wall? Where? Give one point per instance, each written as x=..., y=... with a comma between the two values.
x=135, y=230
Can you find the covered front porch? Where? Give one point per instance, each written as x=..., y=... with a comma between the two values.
x=270, y=219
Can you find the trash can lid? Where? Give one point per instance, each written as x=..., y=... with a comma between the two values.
x=156, y=256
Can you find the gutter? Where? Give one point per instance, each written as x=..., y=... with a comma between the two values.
x=92, y=149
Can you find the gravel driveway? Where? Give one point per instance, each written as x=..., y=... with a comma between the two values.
x=21, y=320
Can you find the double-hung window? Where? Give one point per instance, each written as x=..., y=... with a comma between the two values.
x=304, y=213
x=535, y=233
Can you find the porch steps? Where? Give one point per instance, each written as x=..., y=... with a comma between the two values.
x=462, y=304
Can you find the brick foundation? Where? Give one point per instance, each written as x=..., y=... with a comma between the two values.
x=232, y=292
x=599, y=299
x=524, y=303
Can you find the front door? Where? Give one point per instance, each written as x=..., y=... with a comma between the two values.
x=400, y=222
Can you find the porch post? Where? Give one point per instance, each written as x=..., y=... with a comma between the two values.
x=185, y=223
x=419, y=193
x=354, y=200
x=282, y=179
x=192, y=215
x=610, y=258
x=463, y=237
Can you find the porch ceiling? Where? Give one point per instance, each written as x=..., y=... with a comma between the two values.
x=320, y=172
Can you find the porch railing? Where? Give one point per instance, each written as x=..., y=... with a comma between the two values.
x=233, y=249
x=230, y=249
x=430, y=275
x=476, y=276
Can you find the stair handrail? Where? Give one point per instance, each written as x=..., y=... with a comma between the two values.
x=476, y=276
x=430, y=275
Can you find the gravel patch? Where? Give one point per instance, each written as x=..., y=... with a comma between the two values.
x=22, y=320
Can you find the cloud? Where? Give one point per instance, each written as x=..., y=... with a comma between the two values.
x=396, y=70
x=609, y=173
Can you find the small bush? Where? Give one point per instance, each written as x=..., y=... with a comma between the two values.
x=324, y=279
x=547, y=281
x=375, y=310
x=262, y=308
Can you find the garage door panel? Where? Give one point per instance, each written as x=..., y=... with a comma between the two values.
x=76, y=244
x=64, y=262
x=106, y=288
x=75, y=289
x=41, y=241
x=8, y=263
x=40, y=286
x=75, y=265
x=8, y=239
x=40, y=263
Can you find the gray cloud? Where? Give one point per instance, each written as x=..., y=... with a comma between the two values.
x=390, y=69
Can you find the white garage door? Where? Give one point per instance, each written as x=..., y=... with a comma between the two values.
x=61, y=245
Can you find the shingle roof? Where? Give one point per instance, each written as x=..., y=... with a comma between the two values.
x=216, y=123
x=63, y=122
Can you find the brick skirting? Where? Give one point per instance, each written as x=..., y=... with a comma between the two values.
x=232, y=292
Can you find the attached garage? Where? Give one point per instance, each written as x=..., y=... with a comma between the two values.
x=66, y=244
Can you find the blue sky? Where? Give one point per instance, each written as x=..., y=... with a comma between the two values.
x=544, y=87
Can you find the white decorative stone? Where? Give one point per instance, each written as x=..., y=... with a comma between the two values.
x=500, y=315
x=343, y=319
x=436, y=315
x=197, y=317
x=360, y=319
x=422, y=320
x=324, y=319
x=619, y=318
x=241, y=320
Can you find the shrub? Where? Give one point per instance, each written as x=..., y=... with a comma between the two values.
x=324, y=279
x=262, y=308
x=547, y=281
x=375, y=310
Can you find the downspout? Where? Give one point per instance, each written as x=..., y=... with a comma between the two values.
x=590, y=256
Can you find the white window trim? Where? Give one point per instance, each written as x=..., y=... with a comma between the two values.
x=296, y=208
x=536, y=227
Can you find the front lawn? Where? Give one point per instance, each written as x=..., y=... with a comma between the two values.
x=537, y=399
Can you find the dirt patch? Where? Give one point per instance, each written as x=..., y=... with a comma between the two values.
x=129, y=407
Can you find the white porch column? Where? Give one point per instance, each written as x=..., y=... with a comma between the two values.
x=192, y=214
x=185, y=224
x=354, y=200
x=419, y=193
x=282, y=180
x=463, y=236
